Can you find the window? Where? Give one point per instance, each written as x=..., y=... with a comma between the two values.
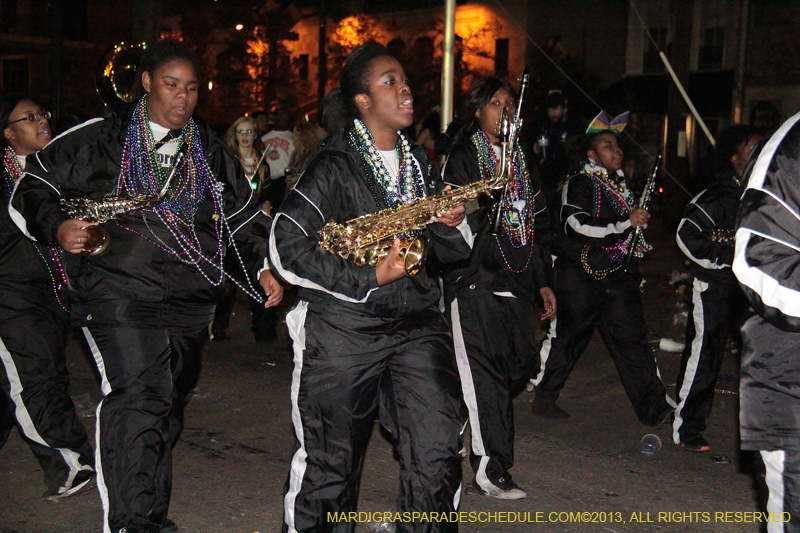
x=14, y=74
x=651, y=63
x=302, y=67
x=710, y=56
x=501, y=57
x=8, y=15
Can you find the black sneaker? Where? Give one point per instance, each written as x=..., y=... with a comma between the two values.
x=169, y=527
x=84, y=481
x=667, y=417
x=502, y=489
x=695, y=443
x=548, y=409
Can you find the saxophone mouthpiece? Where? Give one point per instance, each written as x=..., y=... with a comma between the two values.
x=505, y=127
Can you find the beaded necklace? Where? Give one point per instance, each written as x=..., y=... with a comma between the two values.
x=518, y=204
x=623, y=202
x=191, y=185
x=142, y=173
x=395, y=190
x=51, y=255
x=616, y=192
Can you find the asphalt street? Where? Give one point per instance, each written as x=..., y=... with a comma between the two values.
x=583, y=475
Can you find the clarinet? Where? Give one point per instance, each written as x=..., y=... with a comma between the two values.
x=643, y=204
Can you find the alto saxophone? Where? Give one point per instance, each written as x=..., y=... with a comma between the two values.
x=113, y=207
x=367, y=239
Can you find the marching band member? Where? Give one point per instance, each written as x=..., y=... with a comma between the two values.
x=491, y=297
x=145, y=303
x=34, y=322
x=705, y=235
x=597, y=216
x=368, y=340
x=766, y=261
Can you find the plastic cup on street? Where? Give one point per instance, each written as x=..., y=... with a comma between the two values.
x=650, y=444
x=669, y=345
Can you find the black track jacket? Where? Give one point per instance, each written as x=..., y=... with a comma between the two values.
x=134, y=283
x=487, y=268
x=587, y=218
x=767, y=264
x=336, y=186
x=714, y=209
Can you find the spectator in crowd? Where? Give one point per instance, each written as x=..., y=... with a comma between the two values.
x=308, y=138
x=279, y=144
x=262, y=122
x=556, y=135
x=242, y=139
x=429, y=132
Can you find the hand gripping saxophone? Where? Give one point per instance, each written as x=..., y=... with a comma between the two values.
x=112, y=207
x=367, y=239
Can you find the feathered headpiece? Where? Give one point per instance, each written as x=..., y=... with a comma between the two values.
x=602, y=122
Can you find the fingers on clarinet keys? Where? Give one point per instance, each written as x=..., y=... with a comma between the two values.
x=97, y=241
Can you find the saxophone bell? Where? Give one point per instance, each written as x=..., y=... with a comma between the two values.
x=412, y=254
x=97, y=241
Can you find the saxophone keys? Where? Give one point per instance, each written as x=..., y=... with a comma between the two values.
x=372, y=256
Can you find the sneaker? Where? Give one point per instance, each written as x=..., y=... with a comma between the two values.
x=84, y=481
x=666, y=417
x=169, y=527
x=695, y=443
x=548, y=409
x=503, y=489
x=218, y=335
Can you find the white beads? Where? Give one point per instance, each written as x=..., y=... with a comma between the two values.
x=400, y=187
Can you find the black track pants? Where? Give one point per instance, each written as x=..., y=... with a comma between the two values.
x=714, y=309
x=35, y=385
x=496, y=352
x=614, y=304
x=146, y=376
x=403, y=370
x=783, y=481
